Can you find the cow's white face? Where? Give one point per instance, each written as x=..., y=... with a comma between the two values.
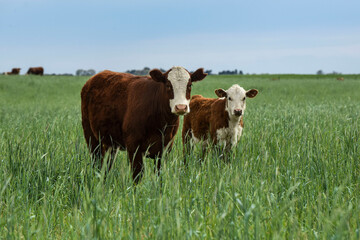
x=178, y=86
x=180, y=82
x=236, y=99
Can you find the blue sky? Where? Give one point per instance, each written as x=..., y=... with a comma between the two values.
x=256, y=36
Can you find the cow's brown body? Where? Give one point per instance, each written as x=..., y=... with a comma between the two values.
x=36, y=71
x=14, y=71
x=129, y=112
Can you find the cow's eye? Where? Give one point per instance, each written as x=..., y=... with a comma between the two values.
x=230, y=99
x=244, y=99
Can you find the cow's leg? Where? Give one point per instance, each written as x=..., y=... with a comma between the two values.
x=186, y=145
x=157, y=161
x=91, y=140
x=136, y=159
x=203, y=149
x=95, y=152
x=155, y=153
x=158, y=169
x=110, y=157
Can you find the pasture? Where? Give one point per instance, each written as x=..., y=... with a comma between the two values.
x=294, y=175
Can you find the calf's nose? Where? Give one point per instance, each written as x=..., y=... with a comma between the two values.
x=237, y=112
x=180, y=109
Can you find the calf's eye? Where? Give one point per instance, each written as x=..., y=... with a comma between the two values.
x=244, y=99
x=230, y=99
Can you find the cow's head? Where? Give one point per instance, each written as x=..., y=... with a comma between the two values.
x=178, y=86
x=236, y=99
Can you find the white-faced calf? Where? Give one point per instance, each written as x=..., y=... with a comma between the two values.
x=219, y=119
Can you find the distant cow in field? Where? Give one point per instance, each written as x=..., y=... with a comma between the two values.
x=136, y=113
x=340, y=79
x=36, y=71
x=14, y=71
x=220, y=119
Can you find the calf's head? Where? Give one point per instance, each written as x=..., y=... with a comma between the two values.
x=178, y=86
x=236, y=99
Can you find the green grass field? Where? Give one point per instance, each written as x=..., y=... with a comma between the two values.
x=294, y=175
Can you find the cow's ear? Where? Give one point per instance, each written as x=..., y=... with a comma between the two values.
x=220, y=92
x=157, y=75
x=251, y=93
x=198, y=75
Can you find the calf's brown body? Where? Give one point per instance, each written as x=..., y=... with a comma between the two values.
x=207, y=115
x=220, y=119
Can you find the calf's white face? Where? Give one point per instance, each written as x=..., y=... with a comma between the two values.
x=236, y=99
x=178, y=86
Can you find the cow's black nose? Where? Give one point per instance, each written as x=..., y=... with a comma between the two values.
x=237, y=112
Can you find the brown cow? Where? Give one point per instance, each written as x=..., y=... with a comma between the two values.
x=14, y=71
x=36, y=71
x=221, y=118
x=136, y=113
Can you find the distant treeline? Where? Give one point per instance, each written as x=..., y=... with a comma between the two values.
x=146, y=71
x=229, y=72
x=320, y=72
x=82, y=72
x=79, y=72
x=59, y=74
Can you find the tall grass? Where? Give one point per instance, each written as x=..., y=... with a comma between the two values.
x=294, y=175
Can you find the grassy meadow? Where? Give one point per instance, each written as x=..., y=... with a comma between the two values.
x=294, y=175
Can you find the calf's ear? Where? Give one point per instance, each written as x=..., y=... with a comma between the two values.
x=157, y=75
x=198, y=75
x=220, y=92
x=251, y=93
